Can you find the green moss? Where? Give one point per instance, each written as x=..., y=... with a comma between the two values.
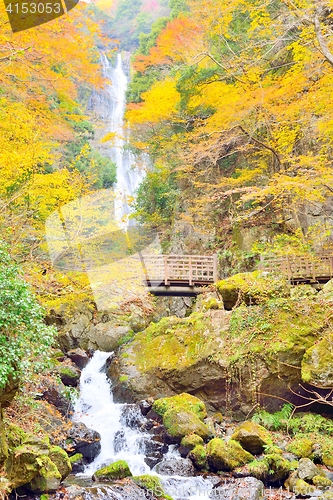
x=272, y=468
x=179, y=423
x=252, y=288
x=117, y=470
x=48, y=477
x=301, y=446
x=190, y=441
x=123, y=378
x=60, y=458
x=302, y=488
x=181, y=402
x=317, y=363
x=75, y=458
x=176, y=343
x=199, y=457
x=253, y=437
x=152, y=484
x=321, y=481
x=226, y=456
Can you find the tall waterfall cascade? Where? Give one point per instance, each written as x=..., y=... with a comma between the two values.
x=109, y=105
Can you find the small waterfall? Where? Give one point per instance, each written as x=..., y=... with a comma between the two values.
x=112, y=112
x=96, y=409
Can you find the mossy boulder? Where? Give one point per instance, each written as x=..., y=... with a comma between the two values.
x=251, y=288
x=301, y=446
x=69, y=374
x=181, y=402
x=199, y=457
x=321, y=481
x=271, y=469
x=77, y=463
x=317, y=364
x=252, y=437
x=181, y=423
x=152, y=484
x=307, y=469
x=224, y=456
x=327, y=495
x=3, y=441
x=47, y=479
x=25, y=461
x=188, y=443
x=60, y=458
x=117, y=470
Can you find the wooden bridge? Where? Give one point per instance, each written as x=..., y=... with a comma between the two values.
x=300, y=269
x=179, y=275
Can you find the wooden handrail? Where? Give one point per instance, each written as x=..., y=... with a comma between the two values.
x=318, y=266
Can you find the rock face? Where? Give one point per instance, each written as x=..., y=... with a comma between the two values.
x=69, y=373
x=106, y=336
x=210, y=356
x=248, y=488
x=317, y=364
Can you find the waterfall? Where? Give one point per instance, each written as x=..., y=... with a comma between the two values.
x=96, y=409
x=112, y=112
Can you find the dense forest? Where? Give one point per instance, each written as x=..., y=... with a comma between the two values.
x=227, y=119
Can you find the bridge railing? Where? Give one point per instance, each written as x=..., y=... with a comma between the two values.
x=300, y=267
x=191, y=269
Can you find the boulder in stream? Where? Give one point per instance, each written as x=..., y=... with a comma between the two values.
x=85, y=441
x=117, y=470
x=175, y=467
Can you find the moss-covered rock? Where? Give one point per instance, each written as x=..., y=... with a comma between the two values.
x=226, y=456
x=152, y=484
x=60, y=458
x=48, y=477
x=301, y=446
x=199, y=457
x=252, y=288
x=272, y=469
x=317, y=363
x=307, y=469
x=117, y=470
x=188, y=443
x=321, y=481
x=181, y=402
x=327, y=495
x=3, y=441
x=69, y=374
x=75, y=458
x=302, y=488
x=25, y=461
x=181, y=423
x=252, y=437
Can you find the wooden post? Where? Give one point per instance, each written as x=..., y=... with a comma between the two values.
x=190, y=277
x=215, y=273
x=166, y=270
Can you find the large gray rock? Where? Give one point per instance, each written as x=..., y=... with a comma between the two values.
x=175, y=467
x=307, y=469
x=79, y=357
x=107, y=336
x=248, y=488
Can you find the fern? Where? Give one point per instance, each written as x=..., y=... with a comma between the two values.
x=274, y=421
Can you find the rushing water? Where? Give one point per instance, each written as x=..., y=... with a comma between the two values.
x=96, y=409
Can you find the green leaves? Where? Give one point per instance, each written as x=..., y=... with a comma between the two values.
x=23, y=334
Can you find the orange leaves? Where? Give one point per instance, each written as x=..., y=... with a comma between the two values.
x=175, y=45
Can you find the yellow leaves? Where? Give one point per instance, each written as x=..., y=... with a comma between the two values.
x=109, y=137
x=22, y=148
x=160, y=104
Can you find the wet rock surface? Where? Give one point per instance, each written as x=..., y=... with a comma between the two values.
x=175, y=467
x=85, y=441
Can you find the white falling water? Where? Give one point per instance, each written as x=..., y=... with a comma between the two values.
x=128, y=175
x=96, y=409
